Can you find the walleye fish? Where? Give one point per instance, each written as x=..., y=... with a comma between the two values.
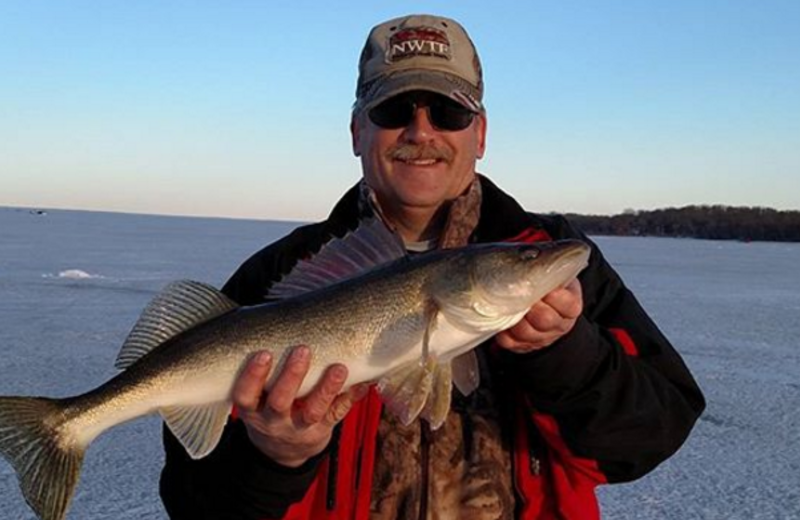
x=406, y=323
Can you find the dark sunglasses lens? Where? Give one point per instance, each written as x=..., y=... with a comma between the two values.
x=393, y=113
x=446, y=114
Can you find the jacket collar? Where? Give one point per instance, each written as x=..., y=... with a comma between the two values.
x=501, y=217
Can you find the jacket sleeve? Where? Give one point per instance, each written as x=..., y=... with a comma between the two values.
x=618, y=391
x=236, y=480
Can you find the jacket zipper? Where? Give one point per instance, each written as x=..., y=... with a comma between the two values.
x=425, y=454
x=333, y=470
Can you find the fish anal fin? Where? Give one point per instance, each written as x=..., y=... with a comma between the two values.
x=466, y=372
x=179, y=307
x=198, y=428
x=404, y=391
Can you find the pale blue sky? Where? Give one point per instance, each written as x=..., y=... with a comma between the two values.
x=241, y=108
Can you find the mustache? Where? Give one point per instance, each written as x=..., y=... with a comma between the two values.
x=419, y=152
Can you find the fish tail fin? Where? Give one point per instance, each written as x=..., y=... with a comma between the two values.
x=34, y=439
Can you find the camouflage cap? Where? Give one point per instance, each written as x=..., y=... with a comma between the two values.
x=419, y=52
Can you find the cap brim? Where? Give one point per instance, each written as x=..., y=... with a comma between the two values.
x=442, y=83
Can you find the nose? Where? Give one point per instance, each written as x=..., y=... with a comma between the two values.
x=420, y=129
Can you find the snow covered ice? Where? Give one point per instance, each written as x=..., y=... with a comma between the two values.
x=73, y=283
x=733, y=310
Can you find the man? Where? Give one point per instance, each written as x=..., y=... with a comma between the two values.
x=585, y=390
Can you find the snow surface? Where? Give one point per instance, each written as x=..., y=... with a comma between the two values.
x=73, y=283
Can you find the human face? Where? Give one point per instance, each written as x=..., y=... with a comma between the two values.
x=417, y=168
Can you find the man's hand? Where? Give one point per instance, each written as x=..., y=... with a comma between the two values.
x=546, y=321
x=287, y=429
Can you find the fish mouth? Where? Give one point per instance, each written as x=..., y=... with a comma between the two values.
x=575, y=249
x=570, y=256
x=573, y=256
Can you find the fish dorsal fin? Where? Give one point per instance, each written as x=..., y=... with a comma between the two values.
x=370, y=245
x=198, y=428
x=179, y=307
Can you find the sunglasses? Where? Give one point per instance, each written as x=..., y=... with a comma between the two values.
x=443, y=113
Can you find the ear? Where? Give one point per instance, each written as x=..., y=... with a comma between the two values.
x=355, y=134
x=481, y=125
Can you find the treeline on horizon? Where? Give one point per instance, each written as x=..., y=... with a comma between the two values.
x=715, y=222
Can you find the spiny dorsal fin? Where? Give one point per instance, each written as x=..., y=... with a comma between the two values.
x=198, y=428
x=182, y=305
x=370, y=245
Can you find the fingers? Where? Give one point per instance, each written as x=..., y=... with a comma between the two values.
x=546, y=321
x=248, y=392
x=320, y=399
x=284, y=391
x=358, y=392
x=324, y=404
x=343, y=403
x=282, y=426
x=542, y=317
x=566, y=302
x=522, y=337
x=338, y=410
x=505, y=340
x=249, y=386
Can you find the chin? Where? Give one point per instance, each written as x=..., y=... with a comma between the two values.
x=420, y=197
x=419, y=205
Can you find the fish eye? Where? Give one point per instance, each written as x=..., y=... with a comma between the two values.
x=529, y=254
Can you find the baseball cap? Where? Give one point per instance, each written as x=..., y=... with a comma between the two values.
x=419, y=52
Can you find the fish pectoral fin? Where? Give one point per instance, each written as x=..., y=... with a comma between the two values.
x=404, y=391
x=466, y=372
x=438, y=403
x=198, y=428
x=431, y=314
x=179, y=307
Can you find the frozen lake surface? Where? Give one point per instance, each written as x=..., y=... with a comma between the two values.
x=73, y=283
